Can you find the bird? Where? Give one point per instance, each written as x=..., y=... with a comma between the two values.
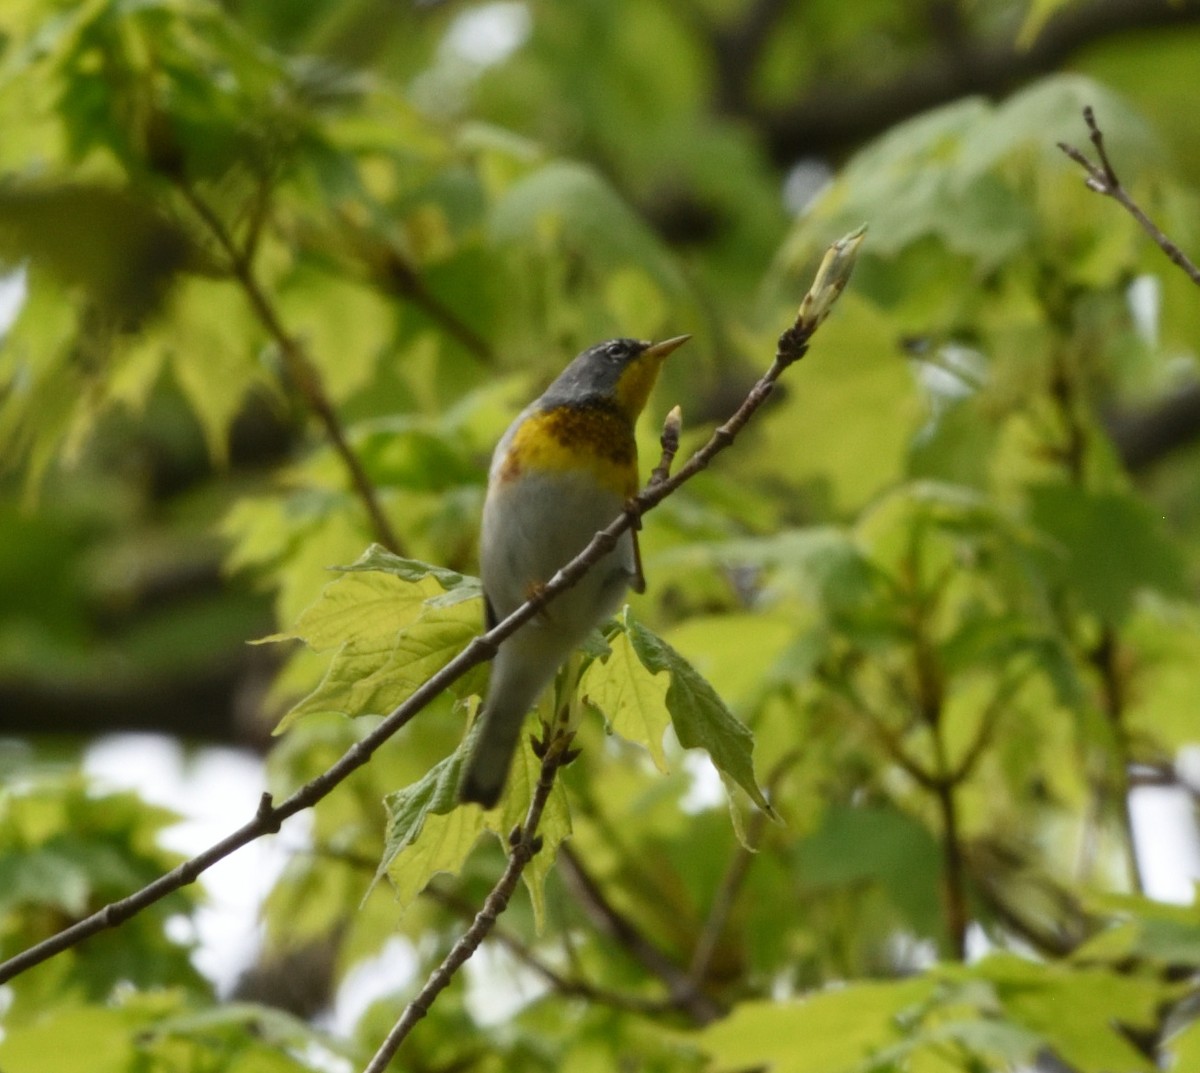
x=563, y=470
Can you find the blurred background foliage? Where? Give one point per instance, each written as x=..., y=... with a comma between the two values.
x=274, y=279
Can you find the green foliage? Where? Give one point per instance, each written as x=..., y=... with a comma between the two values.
x=925, y=612
x=64, y=853
x=1001, y=1011
x=147, y=1031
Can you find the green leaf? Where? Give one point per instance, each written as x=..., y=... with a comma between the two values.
x=1039, y=13
x=212, y=345
x=392, y=627
x=575, y=203
x=1184, y=1048
x=378, y=559
x=1169, y=934
x=1077, y=1011
x=429, y=833
x=116, y=248
x=833, y=1031
x=86, y=1039
x=882, y=846
x=632, y=699
x=700, y=718
x=1166, y=640
x=1108, y=546
x=372, y=678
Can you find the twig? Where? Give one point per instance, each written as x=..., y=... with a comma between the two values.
x=1103, y=180
x=669, y=441
x=300, y=367
x=525, y=843
x=793, y=344
x=1105, y=657
x=877, y=725
x=944, y=789
x=731, y=882
x=685, y=995
x=1005, y=693
x=571, y=987
x=402, y=279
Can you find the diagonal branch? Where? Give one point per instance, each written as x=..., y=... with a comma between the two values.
x=1103, y=180
x=525, y=843
x=730, y=886
x=299, y=366
x=685, y=995
x=569, y=986
x=793, y=345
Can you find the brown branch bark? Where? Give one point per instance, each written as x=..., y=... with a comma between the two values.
x=568, y=986
x=1103, y=180
x=525, y=843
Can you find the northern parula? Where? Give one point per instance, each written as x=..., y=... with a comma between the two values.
x=564, y=469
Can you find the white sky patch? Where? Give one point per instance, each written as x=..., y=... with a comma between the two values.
x=705, y=790
x=1167, y=842
x=499, y=986
x=1144, y=296
x=217, y=790
x=392, y=971
x=805, y=181
x=476, y=40
x=487, y=35
x=13, y=289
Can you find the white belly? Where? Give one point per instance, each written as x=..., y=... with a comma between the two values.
x=537, y=524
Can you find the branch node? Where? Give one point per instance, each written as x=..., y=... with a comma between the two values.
x=265, y=814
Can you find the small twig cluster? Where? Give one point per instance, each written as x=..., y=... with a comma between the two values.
x=1102, y=178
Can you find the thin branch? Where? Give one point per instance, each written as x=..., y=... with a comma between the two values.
x=525, y=843
x=793, y=345
x=884, y=734
x=401, y=278
x=1006, y=691
x=731, y=882
x=945, y=789
x=1163, y=775
x=1105, y=657
x=1103, y=180
x=669, y=441
x=300, y=368
x=571, y=987
x=612, y=922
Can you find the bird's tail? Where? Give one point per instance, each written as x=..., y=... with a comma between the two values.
x=515, y=685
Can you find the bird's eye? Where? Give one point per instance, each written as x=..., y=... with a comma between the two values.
x=615, y=350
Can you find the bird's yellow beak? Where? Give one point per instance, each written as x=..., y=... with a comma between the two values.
x=633, y=389
x=661, y=350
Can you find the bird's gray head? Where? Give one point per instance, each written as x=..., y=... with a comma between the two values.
x=617, y=372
